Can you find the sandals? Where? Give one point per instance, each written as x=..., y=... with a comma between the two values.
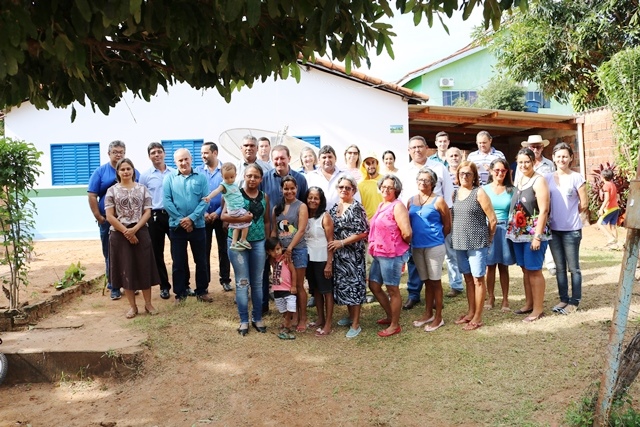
x=150, y=310
x=244, y=244
x=285, y=334
x=559, y=307
x=321, y=333
x=133, y=312
x=530, y=319
x=421, y=323
x=471, y=326
x=462, y=320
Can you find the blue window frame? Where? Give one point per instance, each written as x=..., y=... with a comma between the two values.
x=313, y=140
x=538, y=96
x=193, y=145
x=449, y=97
x=73, y=164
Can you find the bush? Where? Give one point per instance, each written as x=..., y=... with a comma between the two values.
x=595, y=191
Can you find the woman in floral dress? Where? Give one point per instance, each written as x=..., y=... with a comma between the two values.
x=529, y=232
x=349, y=271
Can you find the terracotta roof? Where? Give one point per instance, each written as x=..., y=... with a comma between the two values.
x=467, y=50
x=322, y=64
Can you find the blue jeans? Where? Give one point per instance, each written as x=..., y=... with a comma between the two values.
x=248, y=268
x=455, y=278
x=414, y=284
x=197, y=239
x=104, y=239
x=565, y=248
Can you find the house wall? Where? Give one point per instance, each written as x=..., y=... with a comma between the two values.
x=339, y=110
x=599, y=139
x=470, y=73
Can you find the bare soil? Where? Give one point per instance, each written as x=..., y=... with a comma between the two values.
x=199, y=371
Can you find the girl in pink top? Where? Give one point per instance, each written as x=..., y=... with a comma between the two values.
x=389, y=234
x=283, y=279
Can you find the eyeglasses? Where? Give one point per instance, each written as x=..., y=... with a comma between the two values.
x=466, y=174
x=500, y=171
x=423, y=180
x=117, y=153
x=417, y=147
x=344, y=187
x=385, y=188
x=249, y=145
x=536, y=147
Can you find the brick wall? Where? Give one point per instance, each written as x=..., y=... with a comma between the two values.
x=599, y=142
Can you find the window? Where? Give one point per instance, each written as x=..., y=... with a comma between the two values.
x=193, y=145
x=449, y=97
x=537, y=96
x=313, y=140
x=73, y=164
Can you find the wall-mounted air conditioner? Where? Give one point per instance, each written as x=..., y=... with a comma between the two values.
x=446, y=82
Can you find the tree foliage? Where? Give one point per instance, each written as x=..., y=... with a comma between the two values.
x=58, y=52
x=560, y=44
x=19, y=169
x=502, y=93
x=619, y=79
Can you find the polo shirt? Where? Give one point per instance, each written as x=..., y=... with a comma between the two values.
x=272, y=186
x=183, y=196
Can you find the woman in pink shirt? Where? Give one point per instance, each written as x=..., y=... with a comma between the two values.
x=389, y=237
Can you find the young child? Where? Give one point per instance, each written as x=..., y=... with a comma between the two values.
x=609, y=211
x=283, y=284
x=235, y=206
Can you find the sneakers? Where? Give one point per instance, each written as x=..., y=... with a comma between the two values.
x=370, y=299
x=344, y=322
x=552, y=271
x=115, y=294
x=164, y=294
x=311, y=302
x=190, y=292
x=226, y=286
x=453, y=293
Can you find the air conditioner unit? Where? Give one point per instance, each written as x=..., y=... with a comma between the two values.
x=446, y=82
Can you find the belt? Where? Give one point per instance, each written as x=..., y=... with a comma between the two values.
x=157, y=211
x=501, y=222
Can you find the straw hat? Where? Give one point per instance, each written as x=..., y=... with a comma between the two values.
x=535, y=139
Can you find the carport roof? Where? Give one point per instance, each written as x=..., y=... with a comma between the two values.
x=424, y=119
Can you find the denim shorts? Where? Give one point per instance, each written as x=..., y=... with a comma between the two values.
x=473, y=261
x=387, y=270
x=300, y=257
x=527, y=258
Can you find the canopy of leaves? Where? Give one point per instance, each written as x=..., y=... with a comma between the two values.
x=502, y=93
x=559, y=44
x=619, y=79
x=60, y=51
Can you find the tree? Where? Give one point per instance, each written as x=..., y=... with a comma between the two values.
x=59, y=52
x=19, y=169
x=502, y=93
x=560, y=44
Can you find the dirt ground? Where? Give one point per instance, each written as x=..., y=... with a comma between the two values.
x=259, y=380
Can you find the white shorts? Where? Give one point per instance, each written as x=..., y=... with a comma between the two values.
x=285, y=301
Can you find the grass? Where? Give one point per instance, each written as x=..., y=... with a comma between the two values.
x=506, y=373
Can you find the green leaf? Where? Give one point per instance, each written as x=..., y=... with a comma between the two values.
x=253, y=12
x=135, y=9
x=85, y=9
x=232, y=10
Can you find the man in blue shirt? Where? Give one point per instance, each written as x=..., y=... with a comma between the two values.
x=211, y=169
x=153, y=178
x=100, y=181
x=184, y=191
x=442, y=144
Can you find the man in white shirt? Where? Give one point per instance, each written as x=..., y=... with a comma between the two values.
x=484, y=155
x=443, y=188
x=326, y=176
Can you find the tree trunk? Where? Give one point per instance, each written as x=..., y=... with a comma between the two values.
x=629, y=367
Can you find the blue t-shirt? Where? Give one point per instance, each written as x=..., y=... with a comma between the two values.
x=100, y=181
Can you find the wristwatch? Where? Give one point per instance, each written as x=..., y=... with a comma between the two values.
x=538, y=236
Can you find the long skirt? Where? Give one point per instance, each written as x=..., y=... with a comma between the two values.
x=132, y=267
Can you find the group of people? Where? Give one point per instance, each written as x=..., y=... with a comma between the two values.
x=343, y=227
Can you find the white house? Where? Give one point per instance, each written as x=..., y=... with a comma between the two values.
x=326, y=107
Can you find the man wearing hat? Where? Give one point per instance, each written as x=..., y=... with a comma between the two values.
x=368, y=187
x=542, y=165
